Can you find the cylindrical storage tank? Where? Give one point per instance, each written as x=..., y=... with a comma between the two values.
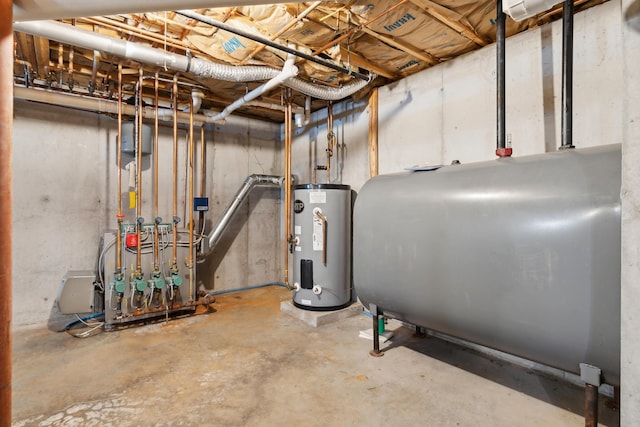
x=518, y=254
x=322, y=249
x=129, y=138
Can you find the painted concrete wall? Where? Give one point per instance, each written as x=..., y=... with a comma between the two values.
x=630, y=357
x=447, y=112
x=64, y=185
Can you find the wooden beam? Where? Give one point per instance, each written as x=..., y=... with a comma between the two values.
x=451, y=19
x=43, y=55
x=359, y=61
x=425, y=56
x=26, y=50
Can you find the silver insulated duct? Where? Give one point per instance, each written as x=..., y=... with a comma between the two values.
x=519, y=254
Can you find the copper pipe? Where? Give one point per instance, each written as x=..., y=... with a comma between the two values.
x=189, y=202
x=139, y=172
x=287, y=182
x=60, y=61
x=70, y=71
x=6, y=145
x=331, y=139
x=119, y=215
x=156, y=264
x=203, y=172
x=174, y=265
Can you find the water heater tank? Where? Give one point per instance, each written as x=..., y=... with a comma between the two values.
x=518, y=254
x=322, y=249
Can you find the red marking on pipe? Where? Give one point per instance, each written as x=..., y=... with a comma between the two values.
x=504, y=152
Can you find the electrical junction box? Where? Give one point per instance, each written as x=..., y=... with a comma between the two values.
x=76, y=292
x=200, y=204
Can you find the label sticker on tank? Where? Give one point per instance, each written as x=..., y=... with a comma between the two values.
x=306, y=301
x=317, y=234
x=297, y=229
x=318, y=197
x=298, y=248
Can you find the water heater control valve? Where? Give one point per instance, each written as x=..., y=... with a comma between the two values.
x=317, y=290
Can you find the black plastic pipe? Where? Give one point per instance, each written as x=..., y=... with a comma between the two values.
x=567, y=75
x=501, y=149
x=222, y=26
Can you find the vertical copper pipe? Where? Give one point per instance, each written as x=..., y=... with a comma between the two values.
x=139, y=172
x=189, y=202
x=331, y=136
x=174, y=265
x=6, y=144
x=373, y=133
x=203, y=172
x=156, y=263
x=119, y=215
x=287, y=182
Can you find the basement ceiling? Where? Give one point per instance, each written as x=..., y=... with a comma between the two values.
x=385, y=38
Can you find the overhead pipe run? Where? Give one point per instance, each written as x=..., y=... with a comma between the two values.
x=209, y=243
x=28, y=10
x=199, y=67
x=102, y=106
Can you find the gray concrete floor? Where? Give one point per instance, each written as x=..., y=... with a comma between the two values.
x=248, y=364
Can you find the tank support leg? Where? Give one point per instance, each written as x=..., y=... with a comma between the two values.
x=420, y=332
x=591, y=376
x=376, y=332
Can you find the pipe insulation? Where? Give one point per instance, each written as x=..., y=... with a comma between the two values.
x=288, y=71
x=27, y=10
x=252, y=181
x=200, y=67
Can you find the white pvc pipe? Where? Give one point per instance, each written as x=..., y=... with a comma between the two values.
x=29, y=10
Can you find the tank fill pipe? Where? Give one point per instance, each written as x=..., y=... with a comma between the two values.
x=567, y=75
x=501, y=150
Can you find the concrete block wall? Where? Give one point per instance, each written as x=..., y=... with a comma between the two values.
x=64, y=186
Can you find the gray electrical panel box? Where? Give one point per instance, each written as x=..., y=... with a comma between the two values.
x=76, y=292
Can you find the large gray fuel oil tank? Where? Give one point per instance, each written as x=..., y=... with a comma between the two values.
x=518, y=254
x=322, y=250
